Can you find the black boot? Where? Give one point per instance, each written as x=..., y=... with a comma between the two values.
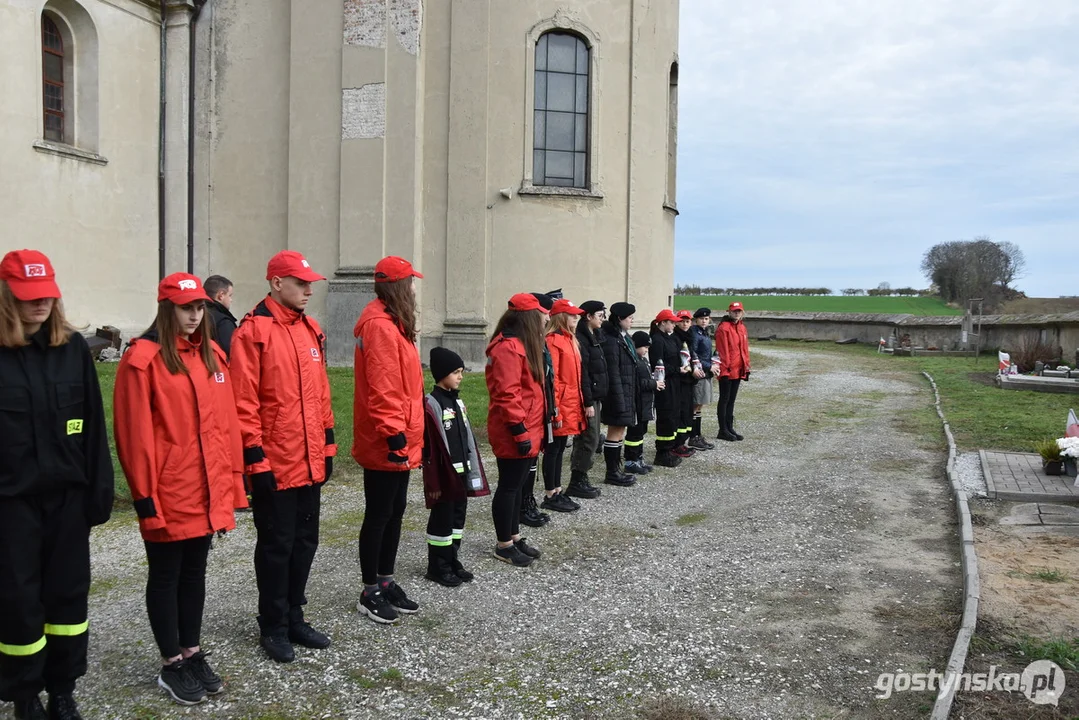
x=530, y=514
x=458, y=568
x=728, y=425
x=62, y=706
x=440, y=566
x=579, y=486
x=31, y=709
x=612, y=455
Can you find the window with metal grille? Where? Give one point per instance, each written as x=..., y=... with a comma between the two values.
x=52, y=75
x=561, y=133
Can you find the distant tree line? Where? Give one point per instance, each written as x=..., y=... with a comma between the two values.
x=963, y=270
x=698, y=290
x=886, y=290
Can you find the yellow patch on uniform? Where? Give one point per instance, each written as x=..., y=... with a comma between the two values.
x=74, y=427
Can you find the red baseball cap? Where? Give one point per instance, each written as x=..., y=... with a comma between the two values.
x=525, y=301
x=666, y=314
x=735, y=306
x=393, y=268
x=562, y=305
x=181, y=289
x=29, y=274
x=684, y=315
x=289, y=263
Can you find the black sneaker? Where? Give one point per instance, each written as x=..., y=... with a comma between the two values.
x=513, y=556
x=376, y=607
x=396, y=596
x=620, y=480
x=647, y=468
x=699, y=443
x=635, y=467
x=62, y=706
x=728, y=436
x=205, y=674
x=737, y=436
x=459, y=571
x=582, y=490
x=278, y=648
x=524, y=547
x=303, y=634
x=31, y=709
x=443, y=576
x=180, y=682
x=560, y=503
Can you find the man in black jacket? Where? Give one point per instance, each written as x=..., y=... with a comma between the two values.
x=219, y=288
x=594, y=385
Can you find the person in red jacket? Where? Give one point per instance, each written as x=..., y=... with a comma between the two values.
x=278, y=362
x=516, y=412
x=387, y=430
x=568, y=398
x=178, y=440
x=732, y=346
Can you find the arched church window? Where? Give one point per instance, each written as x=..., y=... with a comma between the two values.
x=52, y=75
x=561, y=123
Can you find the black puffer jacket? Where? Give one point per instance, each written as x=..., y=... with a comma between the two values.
x=646, y=391
x=666, y=348
x=620, y=405
x=594, y=381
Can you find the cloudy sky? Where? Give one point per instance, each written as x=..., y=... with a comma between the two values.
x=833, y=142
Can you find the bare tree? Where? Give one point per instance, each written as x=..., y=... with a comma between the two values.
x=965, y=269
x=1015, y=265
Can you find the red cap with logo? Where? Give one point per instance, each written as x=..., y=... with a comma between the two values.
x=289, y=263
x=562, y=305
x=735, y=306
x=393, y=268
x=666, y=314
x=181, y=289
x=684, y=315
x=29, y=274
x=522, y=302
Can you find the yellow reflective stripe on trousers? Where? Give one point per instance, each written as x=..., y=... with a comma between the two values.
x=458, y=534
x=23, y=650
x=665, y=437
x=67, y=630
x=631, y=443
x=438, y=541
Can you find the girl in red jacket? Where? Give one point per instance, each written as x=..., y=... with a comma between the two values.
x=566, y=360
x=732, y=346
x=388, y=430
x=515, y=417
x=178, y=439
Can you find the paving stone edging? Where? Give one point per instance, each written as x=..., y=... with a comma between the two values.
x=971, y=585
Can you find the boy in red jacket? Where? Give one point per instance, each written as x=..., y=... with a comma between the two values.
x=452, y=469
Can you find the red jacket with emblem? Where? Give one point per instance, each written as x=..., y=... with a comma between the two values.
x=278, y=364
x=516, y=406
x=732, y=346
x=178, y=439
x=568, y=398
x=389, y=400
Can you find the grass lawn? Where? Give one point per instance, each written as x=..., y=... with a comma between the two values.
x=826, y=303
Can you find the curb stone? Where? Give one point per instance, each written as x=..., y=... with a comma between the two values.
x=971, y=585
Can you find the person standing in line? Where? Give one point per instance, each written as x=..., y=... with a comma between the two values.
x=620, y=404
x=282, y=395
x=516, y=414
x=646, y=389
x=388, y=431
x=594, y=386
x=688, y=380
x=56, y=482
x=664, y=352
x=732, y=346
x=452, y=469
x=702, y=390
x=178, y=440
x=219, y=290
x=530, y=512
x=566, y=362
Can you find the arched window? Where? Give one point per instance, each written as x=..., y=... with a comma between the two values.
x=672, y=137
x=561, y=122
x=52, y=76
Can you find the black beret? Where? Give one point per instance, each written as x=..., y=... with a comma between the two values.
x=592, y=306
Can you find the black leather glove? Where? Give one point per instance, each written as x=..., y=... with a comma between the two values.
x=746, y=378
x=145, y=508
x=329, y=466
x=524, y=447
x=262, y=484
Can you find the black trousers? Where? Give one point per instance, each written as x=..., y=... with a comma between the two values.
x=176, y=592
x=635, y=441
x=287, y=524
x=685, y=413
x=506, y=505
x=44, y=584
x=528, y=487
x=446, y=523
x=552, y=463
x=728, y=393
x=385, y=493
x=666, y=430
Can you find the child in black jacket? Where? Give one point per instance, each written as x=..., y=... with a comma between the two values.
x=646, y=388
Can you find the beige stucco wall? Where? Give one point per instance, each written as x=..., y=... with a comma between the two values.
x=98, y=223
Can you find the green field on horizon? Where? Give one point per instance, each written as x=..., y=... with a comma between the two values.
x=822, y=303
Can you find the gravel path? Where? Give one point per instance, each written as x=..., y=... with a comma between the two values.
x=773, y=578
